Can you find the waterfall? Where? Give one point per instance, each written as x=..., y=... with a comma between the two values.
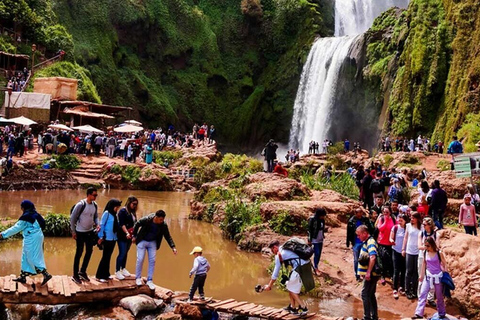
x=316, y=95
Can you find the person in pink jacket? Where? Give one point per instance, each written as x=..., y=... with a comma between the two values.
x=384, y=226
x=466, y=217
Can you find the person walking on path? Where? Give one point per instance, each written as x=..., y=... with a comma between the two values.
x=396, y=237
x=384, y=225
x=148, y=234
x=126, y=221
x=410, y=251
x=316, y=234
x=294, y=283
x=30, y=224
x=270, y=154
x=438, y=204
x=431, y=274
x=199, y=271
x=148, y=154
x=467, y=217
x=353, y=223
x=366, y=264
x=84, y=224
x=107, y=238
x=428, y=230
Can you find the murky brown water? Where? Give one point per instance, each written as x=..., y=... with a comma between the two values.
x=234, y=273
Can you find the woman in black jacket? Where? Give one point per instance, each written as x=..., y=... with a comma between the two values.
x=127, y=216
x=316, y=234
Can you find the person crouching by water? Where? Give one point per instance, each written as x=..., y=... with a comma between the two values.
x=148, y=234
x=432, y=270
x=294, y=283
x=199, y=270
x=30, y=224
x=126, y=220
x=107, y=238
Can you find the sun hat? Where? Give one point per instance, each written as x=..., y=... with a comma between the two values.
x=196, y=250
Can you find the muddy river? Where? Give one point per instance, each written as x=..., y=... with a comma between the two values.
x=234, y=273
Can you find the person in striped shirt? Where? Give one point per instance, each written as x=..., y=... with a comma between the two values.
x=366, y=263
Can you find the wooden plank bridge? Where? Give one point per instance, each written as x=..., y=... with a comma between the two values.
x=62, y=290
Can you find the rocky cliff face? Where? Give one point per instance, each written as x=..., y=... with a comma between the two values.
x=425, y=63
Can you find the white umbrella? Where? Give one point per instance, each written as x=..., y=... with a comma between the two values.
x=87, y=129
x=60, y=127
x=4, y=122
x=128, y=128
x=133, y=122
x=23, y=121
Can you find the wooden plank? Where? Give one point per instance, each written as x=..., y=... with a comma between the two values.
x=7, y=283
x=256, y=310
x=244, y=308
x=66, y=286
x=280, y=315
x=43, y=289
x=214, y=305
x=239, y=304
x=267, y=311
x=57, y=285
x=230, y=305
x=22, y=288
x=74, y=287
x=13, y=284
x=37, y=286
x=50, y=286
x=2, y=282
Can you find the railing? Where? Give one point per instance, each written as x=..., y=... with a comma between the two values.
x=48, y=62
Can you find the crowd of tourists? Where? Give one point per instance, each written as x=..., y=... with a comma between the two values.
x=117, y=226
x=18, y=81
x=421, y=143
x=128, y=146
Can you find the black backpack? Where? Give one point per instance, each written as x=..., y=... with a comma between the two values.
x=299, y=247
x=376, y=186
x=84, y=204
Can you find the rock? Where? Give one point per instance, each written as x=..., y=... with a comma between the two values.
x=461, y=252
x=197, y=209
x=274, y=187
x=38, y=179
x=163, y=293
x=138, y=303
x=188, y=311
x=169, y=316
x=152, y=178
x=257, y=238
x=208, y=152
x=454, y=187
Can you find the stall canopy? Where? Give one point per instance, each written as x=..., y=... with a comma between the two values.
x=87, y=129
x=24, y=121
x=128, y=128
x=5, y=122
x=60, y=127
x=82, y=112
x=133, y=122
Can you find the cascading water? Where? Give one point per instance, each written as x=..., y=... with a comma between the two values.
x=316, y=95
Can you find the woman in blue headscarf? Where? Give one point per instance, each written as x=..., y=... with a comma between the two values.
x=30, y=224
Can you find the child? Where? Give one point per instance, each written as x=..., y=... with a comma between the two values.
x=200, y=269
x=467, y=217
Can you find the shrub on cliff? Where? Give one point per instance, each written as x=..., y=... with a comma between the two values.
x=343, y=183
x=238, y=215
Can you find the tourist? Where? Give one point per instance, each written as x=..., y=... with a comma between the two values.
x=279, y=169
x=384, y=225
x=467, y=217
x=30, y=224
x=148, y=154
x=367, y=193
x=148, y=234
x=438, y=204
x=211, y=134
x=111, y=144
x=410, y=251
x=270, y=154
x=107, y=238
x=84, y=224
x=432, y=271
x=422, y=198
x=346, y=145
x=316, y=234
x=395, y=192
x=366, y=267
x=98, y=141
x=126, y=221
x=376, y=186
x=428, y=230
x=353, y=223
x=199, y=271
x=294, y=283
x=475, y=197
x=455, y=147
x=376, y=209
x=396, y=237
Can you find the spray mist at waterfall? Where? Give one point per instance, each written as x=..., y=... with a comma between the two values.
x=325, y=107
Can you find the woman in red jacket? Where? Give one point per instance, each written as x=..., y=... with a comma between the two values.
x=384, y=225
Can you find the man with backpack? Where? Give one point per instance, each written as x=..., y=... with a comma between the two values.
x=377, y=186
x=455, y=146
x=438, y=204
x=294, y=282
x=353, y=223
x=84, y=225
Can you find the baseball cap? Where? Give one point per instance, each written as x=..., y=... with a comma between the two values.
x=196, y=250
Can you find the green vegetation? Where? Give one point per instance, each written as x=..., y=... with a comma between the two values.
x=238, y=215
x=169, y=157
x=443, y=165
x=470, y=131
x=130, y=173
x=387, y=160
x=64, y=161
x=57, y=225
x=342, y=183
x=284, y=223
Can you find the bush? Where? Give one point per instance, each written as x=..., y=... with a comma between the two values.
x=5, y=227
x=238, y=215
x=162, y=157
x=283, y=223
x=443, y=165
x=336, y=148
x=387, y=160
x=57, y=225
x=342, y=183
x=131, y=174
x=64, y=161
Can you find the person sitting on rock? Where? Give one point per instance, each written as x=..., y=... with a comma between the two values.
x=280, y=170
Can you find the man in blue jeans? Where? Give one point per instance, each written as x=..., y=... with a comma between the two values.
x=316, y=234
x=353, y=223
x=148, y=234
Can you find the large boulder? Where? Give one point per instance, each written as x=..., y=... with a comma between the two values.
x=462, y=252
x=273, y=186
x=454, y=187
x=257, y=237
x=189, y=311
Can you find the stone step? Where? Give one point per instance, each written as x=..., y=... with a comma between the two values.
x=85, y=174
